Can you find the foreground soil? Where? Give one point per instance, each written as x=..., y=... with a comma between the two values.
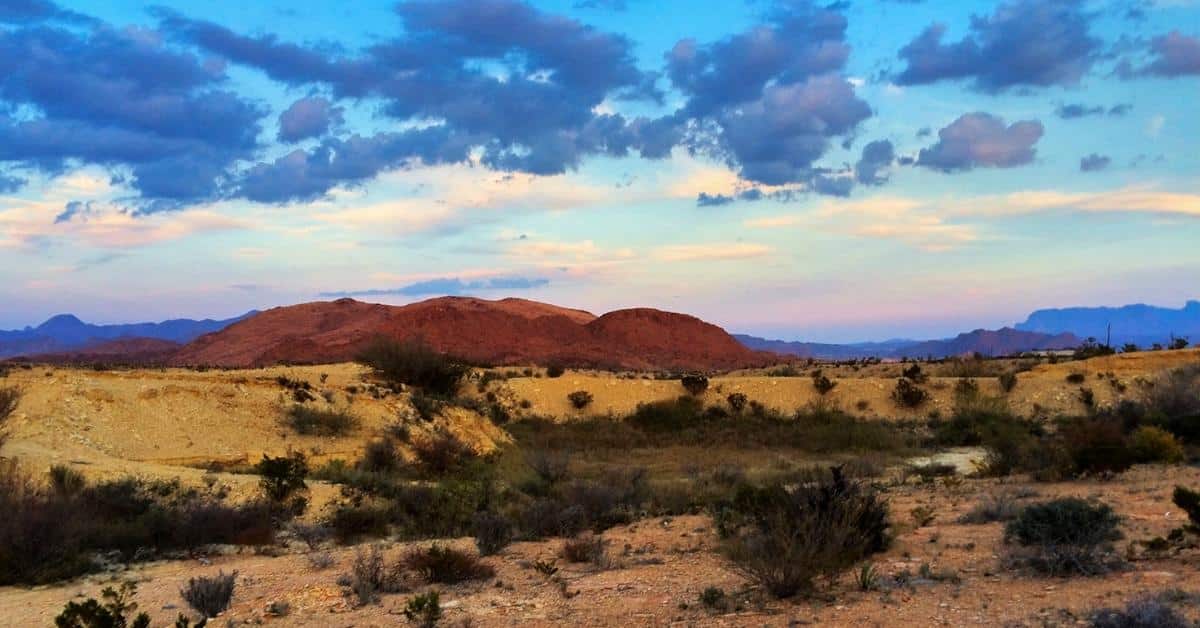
x=659, y=567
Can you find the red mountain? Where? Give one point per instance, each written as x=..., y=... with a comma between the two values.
x=509, y=331
x=133, y=351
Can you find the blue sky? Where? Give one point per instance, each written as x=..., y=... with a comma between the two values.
x=823, y=171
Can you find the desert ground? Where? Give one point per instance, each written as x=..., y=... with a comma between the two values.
x=209, y=427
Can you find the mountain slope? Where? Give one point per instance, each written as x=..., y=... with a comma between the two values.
x=510, y=331
x=1138, y=323
x=1006, y=341
x=66, y=333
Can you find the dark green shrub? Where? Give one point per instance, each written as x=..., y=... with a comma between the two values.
x=442, y=453
x=209, y=596
x=282, y=477
x=714, y=598
x=787, y=537
x=737, y=402
x=669, y=415
x=1141, y=613
x=913, y=373
x=1008, y=381
x=908, y=394
x=695, y=384
x=380, y=456
x=1076, y=378
x=369, y=577
x=1178, y=343
x=822, y=384
x=1087, y=397
x=580, y=399
x=992, y=508
x=438, y=564
x=9, y=399
x=1154, y=444
x=493, y=532
x=551, y=467
x=109, y=614
x=424, y=610
x=1189, y=501
x=1096, y=445
x=426, y=406
x=1173, y=401
x=555, y=370
x=65, y=481
x=1064, y=536
x=415, y=363
x=351, y=522
x=584, y=549
x=316, y=422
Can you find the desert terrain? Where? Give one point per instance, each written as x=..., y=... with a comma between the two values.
x=207, y=427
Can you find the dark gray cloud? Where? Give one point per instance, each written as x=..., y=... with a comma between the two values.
x=713, y=200
x=121, y=99
x=311, y=116
x=1072, y=111
x=1022, y=43
x=73, y=210
x=1171, y=56
x=605, y=5
x=1094, y=162
x=982, y=140
x=876, y=157
x=28, y=11
x=449, y=286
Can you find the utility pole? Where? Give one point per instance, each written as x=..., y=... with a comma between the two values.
x=1108, y=335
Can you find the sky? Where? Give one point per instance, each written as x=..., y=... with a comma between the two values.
x=831, y=171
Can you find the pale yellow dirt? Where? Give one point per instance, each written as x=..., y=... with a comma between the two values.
x=172, y=423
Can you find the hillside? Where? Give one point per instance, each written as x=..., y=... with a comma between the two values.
x=65, y=333
x=1001, y=342
x=509, y=331
x=1138, y=323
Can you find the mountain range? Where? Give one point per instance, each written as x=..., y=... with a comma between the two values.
x=518, y=331
x=1139, y=324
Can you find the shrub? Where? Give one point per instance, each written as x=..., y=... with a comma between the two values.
x=109, y=614
x=580, y=399
x=584, y=549
x=65, y=481
x=1087, y=397
x=1008, y=381
x=991, y=508
x=425, y=609
x=694, y=384
x=351, y=522
x=368, y=577
x=380, y=456
x=1076, y=378
x=909, y=394
x=1189, y=501
x=1174, y=400
x=1141, y=613
x=442, y=453
x=913, y=373
x=445, y=565
x=414, y=363
x=1096, y=445
x=555, y=370
x=9, y=399
x=282, y=477
x=668, y=415
x=1154, y=444
x=1178, y=343
x=822, y=384
x=316, y=422
x=493, y=532
x=737, y=402
x=209, y=596
x=789, y=536
x=550, y=467
x=1064, y=536
x=426, y=406
x=714, y=598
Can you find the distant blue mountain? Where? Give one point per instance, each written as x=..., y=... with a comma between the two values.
x=1139, y=324
x=1000, y=342
x=65, y=332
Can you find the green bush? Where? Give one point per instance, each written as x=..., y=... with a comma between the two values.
x=282, y=477
x=493, y=532
x=442, y=453
x=1154, y=444
x=555, y=370
x=1008, y=381
x=380, y=456
x=737, y=402
x=209, y=596
x=822, y=384
x=585, y=548
x=109, y=614
x=785, y=538
x=1064, y=536
x=65, y=481
x=439, y=564
x=1146, y=612
x=694, y=384
x=424, y=610
x=315, y=422
x=414, y=363
x=580, y=399
x=908, y=394
x=1189, y=501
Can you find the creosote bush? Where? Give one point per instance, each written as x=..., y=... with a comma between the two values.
x=439, y=564
x=442, y=453
x=209, y=596
x=585, y=548
x=1008, y=381
x=695, y=384
x=282, y=477
x=1147, y=612
x=424, y=610
x=737, y=402
x=908, y=394
x=493, y=532
x=786, y=538
x=317, y=422
x=112, y=613
x=822, y=384
x=1064, y=536
x=580, y=399
x=415, y=363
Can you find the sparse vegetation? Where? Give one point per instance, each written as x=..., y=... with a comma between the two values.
x=424, y=610
x=111, y=613
x=786, y=538
x=1064, y=536
x=555, y=370
x=694, y=384
x=282, y=477
x=438, y=564
x=737, y=402
x=580, y=399
x=1008, y=381
x=209, y=596
x=369, y=577
x=442, y=453
x=493, y=532
x=992, y=507
x=1146, y=612
x=585, y=548
x=415, y=363
x=908, y=394
x=317, y=422
x=823, y=385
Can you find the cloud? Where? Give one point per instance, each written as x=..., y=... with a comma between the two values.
x=1094, y=162
x=1022, y=43
x=981, y=140
x=712, y=252
x=9, y=183
x=713, y=200
x=876, y=157
x=449, y=286
x=29, y=11
x=1124, y=200
x=1072, y=111
x=605, y=5
x=1171, y=56
x=311, y=116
